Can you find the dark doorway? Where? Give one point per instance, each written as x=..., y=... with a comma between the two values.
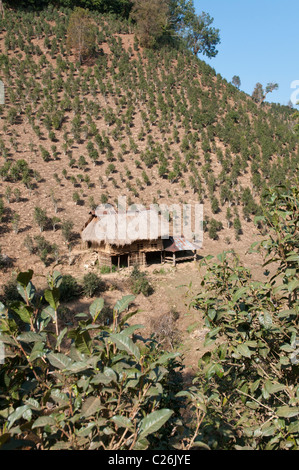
x=154, y=257
x=120, y=261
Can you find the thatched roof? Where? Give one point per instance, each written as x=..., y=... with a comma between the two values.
x=123, y=229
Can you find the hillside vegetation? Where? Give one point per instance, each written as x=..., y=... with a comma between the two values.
x=81, y=127
x=157, y=126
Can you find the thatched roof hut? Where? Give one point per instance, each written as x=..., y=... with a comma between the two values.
x=132, y=237
x=119, y=229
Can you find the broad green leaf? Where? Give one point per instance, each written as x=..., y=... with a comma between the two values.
x=244, y=350
x=254, y=385
x=127, y=317
x=60, y=337
x=7, y=339
x=122, y=421
x=123, y=303
x=214, y=332
x=268, y=430
x=23, y=311
x=101, y=379
x=27, y=292
x=85, y=431
x=84, y=343
x=294, y=284
x=200, y=445
x=27, y=414
x=24, y=277
x=31, y=337
x=294, y=427
x=130, y=330
x=17, y=414
x=274, y=388
x=212, y=313
x=153, y=422
x=61, y=445
x=109, y=372
x=141, y=444
x=125, y=343
x=34, y=404
x=43, y=421
x=293, y=257
x=210, y=337
x=265, y=320
x=37, y=351
x=58, y=360
x=286, y=313
x=52, y=297
x=76, y=367
x=239, y=293
x=155, y=390
x=284, y=360
x=214, y=369
x=57, y=278
x=48, y=312
x=252, y=405
x=287, y=411
x=82, y=340
x=166, y=356
x=59, y=397
x=185, y=393
x=96, y=308
x=91, y=406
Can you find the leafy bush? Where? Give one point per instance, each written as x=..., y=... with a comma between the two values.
x=69, y=288
x=10, y=292
x=140, y=283
x=40, y=217
x=108, y=269
x=66, y=229
x=104, y=391
x=92, y=284
x=250, y=374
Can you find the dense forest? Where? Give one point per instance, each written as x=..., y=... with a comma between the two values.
x=132, y=108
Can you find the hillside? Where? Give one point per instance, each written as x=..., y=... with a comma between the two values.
x=156, y=126
x=201, y=355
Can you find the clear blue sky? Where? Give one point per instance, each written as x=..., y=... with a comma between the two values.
x=259, y=43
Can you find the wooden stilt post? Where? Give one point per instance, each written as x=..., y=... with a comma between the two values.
x=173, y=258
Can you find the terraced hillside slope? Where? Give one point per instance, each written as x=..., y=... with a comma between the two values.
x=156, y=126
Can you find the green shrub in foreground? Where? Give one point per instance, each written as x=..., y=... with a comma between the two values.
x=247, y=383
x=104, y=390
